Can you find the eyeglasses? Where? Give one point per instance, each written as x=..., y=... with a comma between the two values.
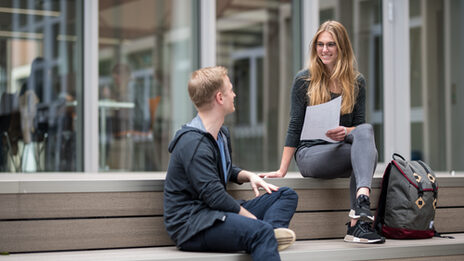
x=329, y=45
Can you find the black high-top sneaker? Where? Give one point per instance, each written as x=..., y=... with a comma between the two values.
x=362, y=232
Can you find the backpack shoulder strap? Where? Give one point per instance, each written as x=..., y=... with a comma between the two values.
x=380, y=213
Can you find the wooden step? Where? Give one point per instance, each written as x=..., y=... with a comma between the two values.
x=335, y=249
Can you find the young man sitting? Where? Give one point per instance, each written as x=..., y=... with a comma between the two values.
x=199, y=214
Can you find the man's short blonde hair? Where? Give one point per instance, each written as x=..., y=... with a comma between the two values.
x=205, y=83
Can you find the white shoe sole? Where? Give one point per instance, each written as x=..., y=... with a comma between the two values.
x=353, y=239
x=353, y=215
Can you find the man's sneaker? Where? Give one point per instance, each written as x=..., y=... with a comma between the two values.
x=285, y=238
x=362, y=232
x=362, y=209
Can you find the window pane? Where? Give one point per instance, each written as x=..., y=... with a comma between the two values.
x=417, y=110
x=437, y=78
x=39, y=87
x=456, y=91
x=417, y=144
x=254, y=42
x=416, y=66
x=327, y=10
x=241, y=81
x=414, y=8
x=145, y=59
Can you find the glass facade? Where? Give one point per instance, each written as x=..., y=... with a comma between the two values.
x=40, y=75
x=145, y=59
x=417, y=112
x=254, y=41
x=437, y=84
x=147, y=50
x=454, y=80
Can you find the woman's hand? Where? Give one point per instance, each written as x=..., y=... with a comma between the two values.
x=337, y=134
x=273, y=174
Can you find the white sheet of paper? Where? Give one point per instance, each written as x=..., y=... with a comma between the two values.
x=321, y=118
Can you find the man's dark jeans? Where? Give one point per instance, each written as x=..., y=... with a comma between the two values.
x=239, y=233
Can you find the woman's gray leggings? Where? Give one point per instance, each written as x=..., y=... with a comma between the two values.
x=357, y=154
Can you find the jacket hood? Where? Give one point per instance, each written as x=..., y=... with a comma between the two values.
x=196, y=125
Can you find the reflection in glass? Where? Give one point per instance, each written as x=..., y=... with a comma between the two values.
x=427, y=83
x=145, y=58
x=254, y=42
x=417, y=110
x=39, y=62
x=456, y=85
x=414, y=8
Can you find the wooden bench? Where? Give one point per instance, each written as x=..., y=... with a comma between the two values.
x=46, y=212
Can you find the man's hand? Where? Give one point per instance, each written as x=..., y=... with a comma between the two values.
x=273, y=174
x=257, y=182
x=337, y=134
x=246, y=213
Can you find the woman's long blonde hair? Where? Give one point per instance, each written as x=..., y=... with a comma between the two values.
x=344, y=70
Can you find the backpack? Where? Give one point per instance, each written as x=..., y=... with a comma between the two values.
x=407, y=201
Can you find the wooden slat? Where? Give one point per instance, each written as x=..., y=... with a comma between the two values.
x=332, y=224
x=319, y=224
x=115, y=204
x=61, y=205
x=450, y=197
x=46, y=235
x=449, y=220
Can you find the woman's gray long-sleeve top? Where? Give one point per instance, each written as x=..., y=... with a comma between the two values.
x=299, y=102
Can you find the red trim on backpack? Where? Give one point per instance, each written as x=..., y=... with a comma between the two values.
x=403, y=233
x=412, y=183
